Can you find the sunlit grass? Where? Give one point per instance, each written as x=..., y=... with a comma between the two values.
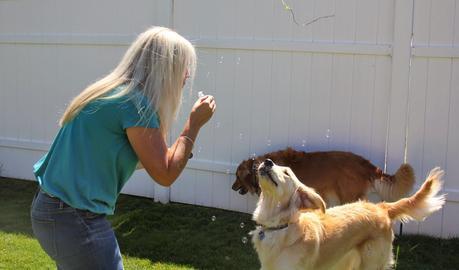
x=20, y=251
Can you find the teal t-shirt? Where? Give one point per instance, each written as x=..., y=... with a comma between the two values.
x=91, y=158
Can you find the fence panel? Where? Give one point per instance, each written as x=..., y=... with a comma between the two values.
x=314, y=75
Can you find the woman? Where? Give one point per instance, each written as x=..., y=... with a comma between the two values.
x=112, y=126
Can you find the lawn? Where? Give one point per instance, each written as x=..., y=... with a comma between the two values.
x=177, y=236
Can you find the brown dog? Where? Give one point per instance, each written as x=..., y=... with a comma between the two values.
x=296, y=231
x=339, y=177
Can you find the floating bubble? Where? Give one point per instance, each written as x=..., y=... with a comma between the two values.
x=238, y=61
x=208, y=74
x=303, y=143
x=253, y=156
x=241, y=136
x=227, y=258
x=221, y=60
x=227, y=171
x=328, y=134
x=217, y=125
x=200, y=94
x=213, y=218
x=244, y=240
x=268, y=142
x=199, y=149
x=242, y=225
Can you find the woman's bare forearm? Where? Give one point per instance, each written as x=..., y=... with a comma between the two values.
x=179, y=153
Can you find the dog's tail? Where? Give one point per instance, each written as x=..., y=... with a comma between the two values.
x=394, y=187
x=423, y=203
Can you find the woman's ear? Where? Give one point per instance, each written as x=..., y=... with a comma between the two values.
x=306, y=198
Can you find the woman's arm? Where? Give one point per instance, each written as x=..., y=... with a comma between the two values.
x=164, y=164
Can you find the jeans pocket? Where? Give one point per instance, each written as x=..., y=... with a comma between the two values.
x=45, y=232
x=89, y=220
x=88, y=215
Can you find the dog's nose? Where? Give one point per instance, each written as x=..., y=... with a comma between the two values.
x=268, y=163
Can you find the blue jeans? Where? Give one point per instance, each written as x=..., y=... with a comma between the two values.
x=73, y=238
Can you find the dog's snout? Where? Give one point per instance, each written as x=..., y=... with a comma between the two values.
x=265, y=166
x=268, y=163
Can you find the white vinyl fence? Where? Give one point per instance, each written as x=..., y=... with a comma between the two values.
x=376, y=77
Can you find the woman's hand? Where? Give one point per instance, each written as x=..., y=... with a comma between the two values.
x=202, y=111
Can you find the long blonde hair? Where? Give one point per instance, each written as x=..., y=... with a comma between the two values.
x=155, y=65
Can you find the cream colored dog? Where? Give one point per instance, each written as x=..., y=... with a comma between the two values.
x=296, y=231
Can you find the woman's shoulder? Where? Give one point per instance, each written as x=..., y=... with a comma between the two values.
x=134, y=107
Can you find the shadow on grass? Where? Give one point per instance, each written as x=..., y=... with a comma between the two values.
x=15, y=200
x=188, y=235
x=204, y=238
x=427, y=253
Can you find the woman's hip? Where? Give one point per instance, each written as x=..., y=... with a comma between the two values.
x=73, y=237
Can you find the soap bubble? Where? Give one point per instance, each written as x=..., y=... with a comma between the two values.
x=199, y=149
x=208, y=74
x=213, y=218
x=241, y=136
x=221, y=60
x=268, y=142
x=242, y=225
x=227, y=171
x=200, y=94
x=238, y=61
x=244, y=240
x=217, y=125
x=303, y=143
x=328, y=134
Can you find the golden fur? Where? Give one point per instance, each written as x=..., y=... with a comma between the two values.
x=339, y=177
x=352, y=236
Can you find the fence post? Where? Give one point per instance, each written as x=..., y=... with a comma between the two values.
x=398, y=109
x=399, y=98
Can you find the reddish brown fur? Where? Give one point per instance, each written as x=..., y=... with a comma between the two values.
x=339, y=177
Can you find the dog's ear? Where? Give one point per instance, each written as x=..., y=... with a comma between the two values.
x=251, y=177
x=306, y=198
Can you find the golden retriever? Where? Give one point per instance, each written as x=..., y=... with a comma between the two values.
x=296, y=231
x=339, y=177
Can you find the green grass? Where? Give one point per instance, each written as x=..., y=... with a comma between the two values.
x=177, y=236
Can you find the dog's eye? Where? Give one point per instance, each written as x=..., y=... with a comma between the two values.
x=286, y=172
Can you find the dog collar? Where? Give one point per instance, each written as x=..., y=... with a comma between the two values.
x=261, y=233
